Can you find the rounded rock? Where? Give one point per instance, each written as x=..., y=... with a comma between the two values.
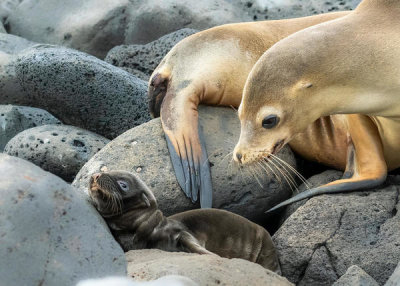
x=61, y=150
x=143, y=151
x=49, y=233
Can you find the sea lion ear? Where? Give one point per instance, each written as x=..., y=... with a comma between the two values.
x=146, y=200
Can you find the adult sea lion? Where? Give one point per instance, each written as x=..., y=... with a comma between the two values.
x=209, y=67
x=130, y=209
x=348, y=65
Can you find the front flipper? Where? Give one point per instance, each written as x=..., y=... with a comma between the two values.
x=187, y=149
x=365, y=162
x=191, y=244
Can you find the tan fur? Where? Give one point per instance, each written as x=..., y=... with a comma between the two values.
x=348, y=65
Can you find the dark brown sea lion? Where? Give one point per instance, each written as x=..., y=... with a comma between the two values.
x=348, y=65
x=209, y=67
x=131, y=211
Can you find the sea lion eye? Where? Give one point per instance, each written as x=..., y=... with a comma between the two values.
x=270, y=121
x=123, y=185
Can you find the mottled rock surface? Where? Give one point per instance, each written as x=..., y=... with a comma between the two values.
x=141, y=60
x=61, y=150
x=77, y=88
x=355, y=276
x=49, y=233
x=143, y=150
x=11, y=44
x=15, y=119
x=394, y=280
x=169, y=280
x=149, y=264
x=330, y=233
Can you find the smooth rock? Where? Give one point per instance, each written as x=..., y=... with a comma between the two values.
x=77, y=88
x=6, y=7
x=169, y=280
x=15, y=119
x=49, y=233
x=283, y=9
x=2, y=29
x=141, y=60
x=149, y=264
x=355, y=276
x=11, y=44
x=330, y=233
x=394, y=280
x=143, y=150
x=92, y=26
x=61, y=150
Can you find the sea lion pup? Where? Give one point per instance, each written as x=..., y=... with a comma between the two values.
x=209, y=67
x=348, y=65
x=130, y=210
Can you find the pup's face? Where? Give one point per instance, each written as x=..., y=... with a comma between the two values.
x=117, y=192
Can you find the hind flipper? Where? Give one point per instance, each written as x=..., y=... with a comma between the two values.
x=191, y=244
x=366, y=163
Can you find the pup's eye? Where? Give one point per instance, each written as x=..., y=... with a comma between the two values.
x=123, y=185
x=270, y=121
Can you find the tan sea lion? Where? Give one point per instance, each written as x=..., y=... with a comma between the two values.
x=348, y=65
x=130, y=209
x=209, y=67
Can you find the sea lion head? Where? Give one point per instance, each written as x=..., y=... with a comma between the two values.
x=281, y=97
x=117, y=192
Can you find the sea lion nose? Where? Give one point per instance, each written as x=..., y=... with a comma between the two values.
x=95, y=176
x=239, y=156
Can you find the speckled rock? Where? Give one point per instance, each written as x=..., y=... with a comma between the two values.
x=79, y=89
x=49, y=233
x=143, y=150
x=355, y=276
x=141, y=60
x=330, y=233
x=283, y=9
x=61, y=150
x=394, y=280
x=14, y=119
x=211, y=270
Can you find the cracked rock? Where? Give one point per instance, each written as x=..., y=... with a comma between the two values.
x=61, y=150
x=77, y=88
x=355, y=276
x=149, y=264
x=141, y=60
x=15, y=119
x=143, y=150
x=356, y=228
x=49, y=233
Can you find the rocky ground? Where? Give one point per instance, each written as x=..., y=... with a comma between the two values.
x=73, y=84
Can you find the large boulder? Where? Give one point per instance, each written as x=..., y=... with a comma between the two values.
x=212, y=270
x=355, y=276
x=2, y=29
x=49, y=233
x=10, y=44
x=143, y=150
x=141, y=60
x=394, y=280
x=330, y=233
x=79, y=89
x=15, y=119
x=61, y=150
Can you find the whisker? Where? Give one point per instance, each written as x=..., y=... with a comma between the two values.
x=287, y=179
x=300, y=176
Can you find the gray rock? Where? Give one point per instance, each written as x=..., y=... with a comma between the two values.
x=394, y=280
x=6, y=7
x=355, y=276
x=11, y=44
x=61, y=150
x=153, y=19
x=329, y=233
x=143, y=150
x=283, y=9
x=149, y=264
x=141, y=60
x=92, y=26
x=49, y=233
x=2, y=29
x=79, y=89
x=15, y=119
